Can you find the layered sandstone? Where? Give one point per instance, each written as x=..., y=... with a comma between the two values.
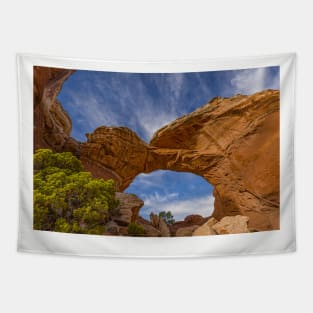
x=127, y=209
x=52, y=125
x=118, y=149
x=232, y=142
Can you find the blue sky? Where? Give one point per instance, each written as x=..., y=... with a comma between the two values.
x=145, y=102
x=181, y=193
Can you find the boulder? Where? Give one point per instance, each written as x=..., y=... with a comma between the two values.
x=128, y=208
x=112, y=228
x=232, y=225
x=206, y=229
x=186, y=231
x=194, y=219
x=123, y=230
x=189, y=220
x=151, y=231
x=163, y=228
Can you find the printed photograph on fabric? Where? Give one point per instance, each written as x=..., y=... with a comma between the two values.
x=156, y=154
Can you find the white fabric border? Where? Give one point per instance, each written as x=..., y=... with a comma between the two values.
x=278, y=241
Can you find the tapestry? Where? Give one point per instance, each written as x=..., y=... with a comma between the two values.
x=186, y=158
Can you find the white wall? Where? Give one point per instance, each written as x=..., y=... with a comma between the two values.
x=149, y=30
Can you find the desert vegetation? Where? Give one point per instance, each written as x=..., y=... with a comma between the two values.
x=67, y=199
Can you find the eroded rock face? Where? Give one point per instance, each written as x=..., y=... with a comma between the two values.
x=158, y=223
x=52, y=125
x=128, y=208
x=111, y=228
x=118, y=149
x=232, y=142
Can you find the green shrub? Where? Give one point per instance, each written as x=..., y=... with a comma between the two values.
x=67, y=199
x=62, y=226
x=135, y=229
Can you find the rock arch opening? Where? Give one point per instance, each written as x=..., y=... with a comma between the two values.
x=181, y=193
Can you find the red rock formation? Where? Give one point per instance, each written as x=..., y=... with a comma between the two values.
x=190, y=220
x=52, y=125
x=119, y=149
x=128, y=208
x=233, y=143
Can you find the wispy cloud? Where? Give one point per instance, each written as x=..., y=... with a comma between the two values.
x=175, y=84
x=156, y=197
x=182, y=193
x=180, y=208
x=152, y=120
x=154, y=111
x=250, y=81
x=154, y=179
x=146, y=102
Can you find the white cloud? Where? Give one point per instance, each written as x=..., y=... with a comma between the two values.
x=181, y=208
x=175, y=83
x=144, y=113
x=147, y=104
x=155, y=197
x=249, y=81
x=154, y=179
x=91, y=111
x=150, y=115
x=151, y=121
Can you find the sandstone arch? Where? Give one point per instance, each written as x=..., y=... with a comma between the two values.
x=232, y=142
